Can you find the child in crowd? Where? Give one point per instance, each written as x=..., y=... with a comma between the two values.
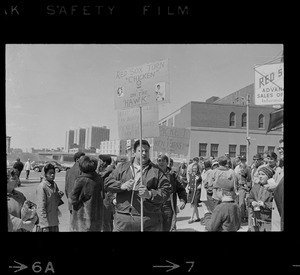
x=226, y=216
x=260, y=200
x=48, y=199
x=15, y=203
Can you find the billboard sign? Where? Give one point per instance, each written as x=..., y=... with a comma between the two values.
x=143, y=85
x=269, y=86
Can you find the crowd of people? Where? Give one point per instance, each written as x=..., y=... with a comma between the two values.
x=141, y=195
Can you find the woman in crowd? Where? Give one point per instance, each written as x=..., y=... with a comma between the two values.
x=194, y=189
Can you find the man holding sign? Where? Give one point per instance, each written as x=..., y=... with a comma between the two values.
x=125, y=181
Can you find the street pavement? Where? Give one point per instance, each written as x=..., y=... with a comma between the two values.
x=28, y=188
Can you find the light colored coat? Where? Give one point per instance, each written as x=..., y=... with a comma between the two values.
x=47, y=204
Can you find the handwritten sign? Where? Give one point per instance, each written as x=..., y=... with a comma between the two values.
x=172, y=140
x=269, y=88
x=129, y=122
x=143, y=85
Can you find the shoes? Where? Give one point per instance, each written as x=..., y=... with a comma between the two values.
x=197, y=220
x=190, y=221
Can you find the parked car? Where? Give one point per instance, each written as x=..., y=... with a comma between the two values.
x=67, y=165
x=37, y=166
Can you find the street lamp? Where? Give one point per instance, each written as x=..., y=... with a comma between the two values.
x=247, y=100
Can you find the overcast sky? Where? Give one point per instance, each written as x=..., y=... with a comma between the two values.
x=53, y=88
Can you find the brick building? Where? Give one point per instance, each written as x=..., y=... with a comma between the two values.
x=219, y=125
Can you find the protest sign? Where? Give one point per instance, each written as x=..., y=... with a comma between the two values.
x=143, y=85
x=172, y=140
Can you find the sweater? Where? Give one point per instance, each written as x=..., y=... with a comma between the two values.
x=225, y=217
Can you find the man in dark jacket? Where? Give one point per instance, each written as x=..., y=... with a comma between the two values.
x=169, y=207
x=71, y=176
x=155, y=189
x=19, y=165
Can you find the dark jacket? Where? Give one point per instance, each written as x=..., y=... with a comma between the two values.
x=177, y=189
x=225, y=217
x=87, y=203
x=19, y=166
x=153, y=178
x=71, y=176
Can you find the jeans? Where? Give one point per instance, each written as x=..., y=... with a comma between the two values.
x=167, y=217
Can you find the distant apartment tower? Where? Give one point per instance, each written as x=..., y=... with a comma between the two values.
x=69, y=142
x=94, y=135
x=79, y=138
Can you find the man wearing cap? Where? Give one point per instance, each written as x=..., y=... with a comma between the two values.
x=71, y=176
x=257, y=162
x=226, y=216
x=155, y=189
x=169, y=207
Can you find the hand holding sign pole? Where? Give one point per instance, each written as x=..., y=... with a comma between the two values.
x=146, y=85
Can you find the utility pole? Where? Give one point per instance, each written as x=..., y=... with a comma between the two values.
x=247, y=134
x=247, y=101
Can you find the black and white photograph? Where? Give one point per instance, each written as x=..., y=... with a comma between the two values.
x=203, y=153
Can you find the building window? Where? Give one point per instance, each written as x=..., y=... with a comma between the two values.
x=232, y=151
x=261, y=119
x=202, y=149
x=271, y=148
x=243, y=150
x=232, y=119
x=214, y=150
x=244, y=120
x=260, y=149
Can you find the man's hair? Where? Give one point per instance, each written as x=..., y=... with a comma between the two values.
x=87, y=164
x=77, y=155
x=105, y=158
x=163, y=157
x=47, y=167
x=137, y=143
x=17, y=159
x=196, y=159
x=207, y=164
x=222, y=160
x=11, y=172
x=272, y=155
